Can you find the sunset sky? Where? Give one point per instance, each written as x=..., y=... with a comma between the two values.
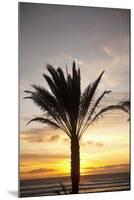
x=97, y=39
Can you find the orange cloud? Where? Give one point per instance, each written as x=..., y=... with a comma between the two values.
x=53, y=138
x=92, y=143
x=38, y=135
x=38, y=170
x=117, y=168
x=32, y=156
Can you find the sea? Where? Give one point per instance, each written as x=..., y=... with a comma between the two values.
x=62, y=185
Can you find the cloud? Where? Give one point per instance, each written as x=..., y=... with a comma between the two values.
x=53, y=138
x=32, y=131
x=39, y=135
x=87, y=143
x=43, y=156
x=110, y=166
x=107, y=50
x=36, y=139
x=109, y=81
x=99, y=144
x=116, y=58
x=124, y=167
x=39, y=170
x=62, y=59
x=66, y=140
x=92, y=143
x=69, y=57
x=33, y=135
x=117, y=52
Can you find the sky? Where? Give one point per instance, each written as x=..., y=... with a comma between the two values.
x=97, y=39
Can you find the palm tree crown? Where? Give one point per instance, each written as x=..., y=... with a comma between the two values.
x=65, y=107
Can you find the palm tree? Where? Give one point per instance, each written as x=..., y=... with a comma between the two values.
x=68, y=109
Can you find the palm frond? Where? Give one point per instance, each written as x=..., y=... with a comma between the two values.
x=86, y=99
x=67, y=93
x=47, y=102
x=44, y=121
x=125, y=105
x=57, y=95
x=102, y=111
x=97, y=102
x=92, y=111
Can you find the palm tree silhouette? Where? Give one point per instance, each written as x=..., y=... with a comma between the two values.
x=68, y=109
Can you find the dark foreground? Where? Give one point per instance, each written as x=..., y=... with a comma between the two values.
x=62, y=185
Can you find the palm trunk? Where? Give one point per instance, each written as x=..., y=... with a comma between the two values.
x=75, y=165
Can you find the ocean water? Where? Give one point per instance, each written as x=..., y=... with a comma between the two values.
x=62, y=185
